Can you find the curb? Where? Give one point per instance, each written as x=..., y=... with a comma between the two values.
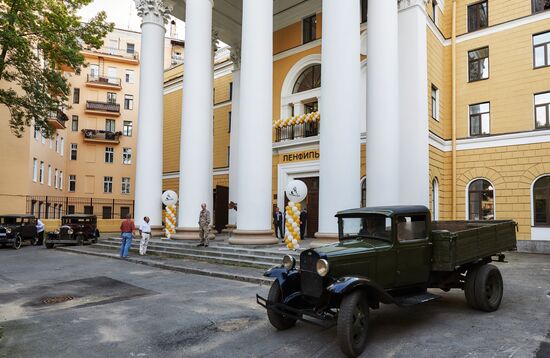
x=185, y=269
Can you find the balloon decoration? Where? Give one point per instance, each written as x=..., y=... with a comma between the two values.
x=299, y=119
x=170, y=220
x=296, y=191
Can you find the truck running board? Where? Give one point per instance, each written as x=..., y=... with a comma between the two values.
x=415, y=299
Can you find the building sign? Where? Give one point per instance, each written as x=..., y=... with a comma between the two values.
x=300, y=156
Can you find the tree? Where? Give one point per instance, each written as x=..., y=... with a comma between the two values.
x=38, y=39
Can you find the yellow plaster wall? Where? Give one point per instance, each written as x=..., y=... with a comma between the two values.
x=439, y=74
x=172, y=131
x=221, y=136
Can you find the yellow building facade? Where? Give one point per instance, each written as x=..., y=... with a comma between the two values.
x=488, y=66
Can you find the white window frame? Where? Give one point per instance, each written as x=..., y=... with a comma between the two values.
x=109, y=153
x=60, y=180
x=435, y=113
x=109, y=182
x=74, y=148
x=467, y=206
x=55, y=178
x=41, y=172
x=49, y=175
x=62, y=148
x=129, y=76
x=125, y=185
x=127, y=156
x=72, y=179
x=34, y=169
x=435, y=199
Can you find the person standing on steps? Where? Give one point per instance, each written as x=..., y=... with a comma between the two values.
x=278, y=223
x=39, y=232
x=303, y=223
x=145, y=233
x=127, y=229
x=204, y=225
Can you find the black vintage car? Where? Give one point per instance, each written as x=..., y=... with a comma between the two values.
x=14, y=229
x=75, y=229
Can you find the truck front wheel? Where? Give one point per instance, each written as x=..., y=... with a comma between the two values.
x=277, y=320
x=488, y=288
x=353, y=323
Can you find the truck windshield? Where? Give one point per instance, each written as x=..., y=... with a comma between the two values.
x=372, y=226
x=8, y=220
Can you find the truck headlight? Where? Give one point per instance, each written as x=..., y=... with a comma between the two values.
x=322, y=267
x=8, y=230
x=289, y=262
x=70, y=231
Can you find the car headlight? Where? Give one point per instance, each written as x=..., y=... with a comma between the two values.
x=56, y=232
x=289, y=262
x=70, y=231
x=322, y=267
x=8, y=231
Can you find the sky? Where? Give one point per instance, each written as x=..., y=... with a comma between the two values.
x=123, y=13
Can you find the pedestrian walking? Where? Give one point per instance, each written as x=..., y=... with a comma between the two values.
x=127, y=229
x=204, y=225
x=303, y=223
x=145, y=233
x=39, y=232
x=278, y=223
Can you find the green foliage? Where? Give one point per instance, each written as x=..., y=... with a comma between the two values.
x=38, y=38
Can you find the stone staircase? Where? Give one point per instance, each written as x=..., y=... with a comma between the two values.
x=218, y=252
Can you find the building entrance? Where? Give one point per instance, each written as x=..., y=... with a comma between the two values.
x=312, y=204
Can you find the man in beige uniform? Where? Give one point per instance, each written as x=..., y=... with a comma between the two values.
x=204, y=225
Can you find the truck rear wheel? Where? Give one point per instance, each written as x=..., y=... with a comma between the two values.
x=488, y=288
x=278, y=321
x=469, y=287
x=353, y=323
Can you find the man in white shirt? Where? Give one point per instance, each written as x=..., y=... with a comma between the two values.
x=145, y=233
x=39, y=232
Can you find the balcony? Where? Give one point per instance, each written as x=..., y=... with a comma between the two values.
x=57, y=119
x=302, y=126
x=101, y=136
x=104, y=82
x=108, y=108
x=115, y=54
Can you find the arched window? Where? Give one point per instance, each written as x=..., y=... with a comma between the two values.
x=309, y=79
x=541, y=201
x=435, y=199
x=364, y=192
x=481, y=200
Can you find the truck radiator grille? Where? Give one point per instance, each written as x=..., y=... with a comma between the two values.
x=311, y=282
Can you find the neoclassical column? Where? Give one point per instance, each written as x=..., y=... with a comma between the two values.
x=383, y=103
x=255, y=119
x=195, y=181
x=233, y=139
x=339, y=182
x=148, y=186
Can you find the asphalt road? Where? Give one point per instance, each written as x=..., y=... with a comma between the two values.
x=120, y=309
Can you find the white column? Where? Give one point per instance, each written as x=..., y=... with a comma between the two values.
x=382, y=104
x=255, y=133
x=413, y=108
x=234, y=135
x=195, y=181
x=150, y=116
x=339, y=182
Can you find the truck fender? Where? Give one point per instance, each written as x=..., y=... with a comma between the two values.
x=345, y=285
x=289, y=280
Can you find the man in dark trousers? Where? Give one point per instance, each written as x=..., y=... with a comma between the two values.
x=278, y=221
x=303, y=223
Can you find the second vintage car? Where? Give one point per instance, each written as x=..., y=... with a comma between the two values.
x=15, y=229
x=75, y=229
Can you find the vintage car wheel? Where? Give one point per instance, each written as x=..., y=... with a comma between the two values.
x=353, y=323
x=48, y=245
x=278, y=321
x=80, y=240
x=488, y=288
x=469, y=287
x=17, y=242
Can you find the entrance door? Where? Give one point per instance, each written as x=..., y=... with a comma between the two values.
x=221, y=200
x=312, y=204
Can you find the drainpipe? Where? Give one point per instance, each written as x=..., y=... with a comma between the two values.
x=453, y=109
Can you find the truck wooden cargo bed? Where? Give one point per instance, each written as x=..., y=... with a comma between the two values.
x=456, y=243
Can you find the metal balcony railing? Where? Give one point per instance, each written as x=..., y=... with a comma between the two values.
x=132, y=55
x=57, y=119
x=296, y=131
x=105, y=80
x=103, y=106
x=101, y=135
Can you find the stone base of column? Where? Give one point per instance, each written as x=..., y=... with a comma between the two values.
x=186, y=233
x=322, y=239
x=252, y=237
x=229, y=228
x=157, y=231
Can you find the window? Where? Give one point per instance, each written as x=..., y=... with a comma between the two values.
x=74, y=124
x=311, y=107
x=309, y=79
x=113, y=44
x=57, y=143
x=70, y=209
x=540, y=5
x=130, y=47
x=480, y=119
x=94, y=71
x=125, y=185
x=109, y=154
x=129, y=76
x=62, y=147
x=411, y=228
x=76, y=95
x=228, y=155
x=111, y=97
x=36, y=132
x=88, y=209
x=41, y=174
x=107, y=212
x=74, y=148
x=230, y=91
x=112, y=75
x=110, y=125
x=124, y=210
x=229, y=114
x=541, y=50
x=43, y=138
x=127, y=128
x=435, y=199
x=364, y=192
x=364, y=10
x=478, y=16
x=126, y=155
x=49, y=175
x=34, y=169
x=434, y=11
x=60, y=180
x=478, y=64
x=309, y=28
x=542, y=110
x=435, y=103
x=107, y=184
x=128, y=101
x=481, y=200
x=72, y=183
x=541, y=201
x=55, y=178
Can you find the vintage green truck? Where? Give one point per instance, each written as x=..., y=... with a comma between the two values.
x=388, y=255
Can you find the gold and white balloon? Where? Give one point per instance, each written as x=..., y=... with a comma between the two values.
x=296, y=192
